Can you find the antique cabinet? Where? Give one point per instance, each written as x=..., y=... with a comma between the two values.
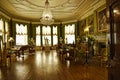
x=113, y=12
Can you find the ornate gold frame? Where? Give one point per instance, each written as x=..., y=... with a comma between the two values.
x=102, y=19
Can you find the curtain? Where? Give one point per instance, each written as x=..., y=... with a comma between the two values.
x=1, y=27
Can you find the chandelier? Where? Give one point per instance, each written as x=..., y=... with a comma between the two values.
x=47, y=18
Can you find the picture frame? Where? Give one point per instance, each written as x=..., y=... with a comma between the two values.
x=102, y=19
x=83, y=24
x=90, y=22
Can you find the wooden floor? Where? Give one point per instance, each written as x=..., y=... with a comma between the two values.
x=48, y=66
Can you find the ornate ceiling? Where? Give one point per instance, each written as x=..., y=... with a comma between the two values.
x=62, y=10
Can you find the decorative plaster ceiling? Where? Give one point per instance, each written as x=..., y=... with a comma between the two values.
x=62, y=10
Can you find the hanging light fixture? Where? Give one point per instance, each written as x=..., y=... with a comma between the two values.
x=47, y=18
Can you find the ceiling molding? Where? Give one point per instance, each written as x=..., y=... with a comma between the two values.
x=6, y=16
x=19, y=20
x=70, y=21
x=62, y=10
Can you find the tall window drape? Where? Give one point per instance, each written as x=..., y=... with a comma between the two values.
x=1, y=27
x=55, y=37
x=69, y=34
x=21, y=34
x=1, y=32
x=6, y=31
x=38, y=38
x=46, y=34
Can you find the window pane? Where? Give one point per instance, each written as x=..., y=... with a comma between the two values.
x=48, y=38
x=38, y=41
x=70, y=39
x=69, y=34
x=21, y=34
x=38, y=38
x=21, y=39
x=46, y=35
x=1, y=27
x=6, y=31
x=55, y=38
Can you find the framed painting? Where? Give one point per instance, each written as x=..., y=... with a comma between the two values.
x=90, y=22
x=83, y=24
x=102, y=20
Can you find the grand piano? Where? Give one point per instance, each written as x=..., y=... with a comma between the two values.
x=20, y=50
